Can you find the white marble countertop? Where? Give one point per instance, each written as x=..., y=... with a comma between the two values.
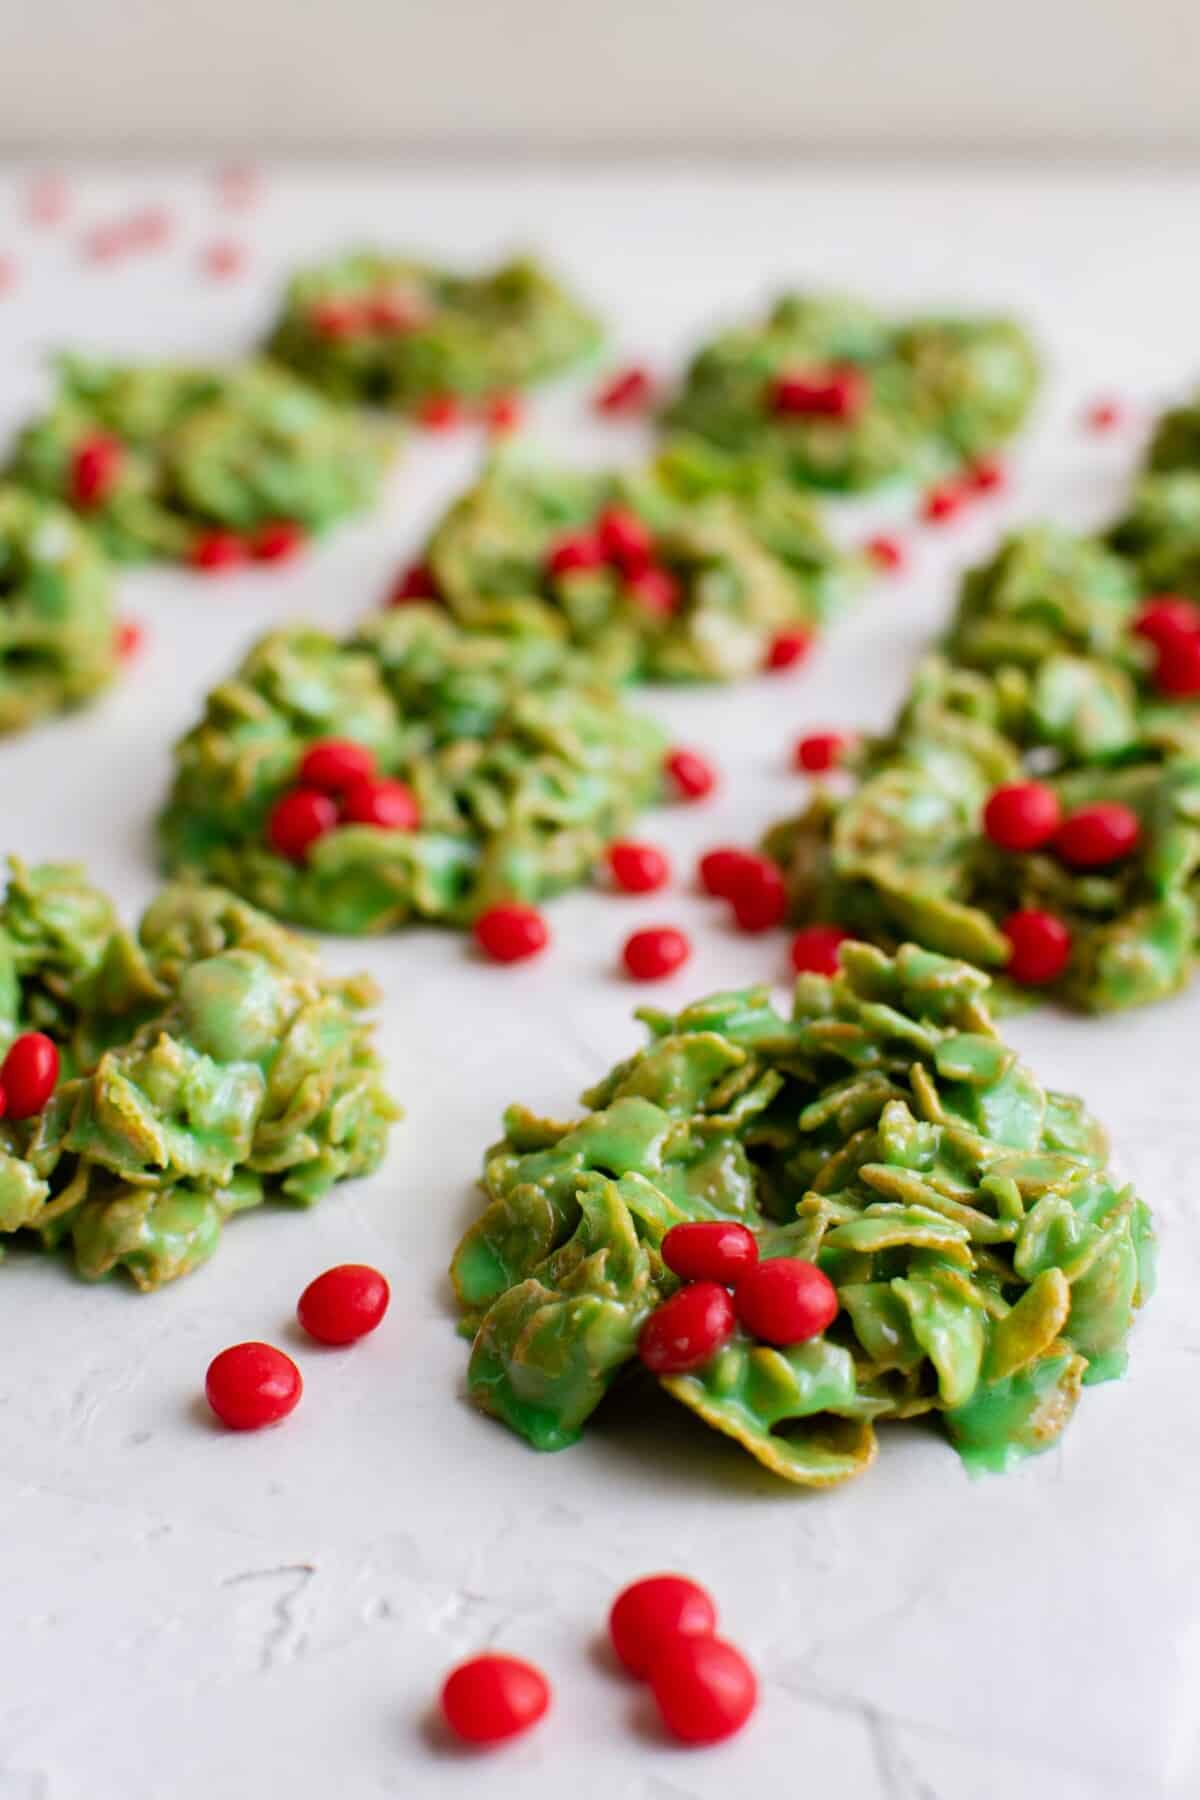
x=192, y=1615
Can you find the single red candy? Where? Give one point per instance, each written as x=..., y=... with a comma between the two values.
x=130, y=637
x=760, y=898
x=722, y=870
x=820, y=751
x=1039, y=947
x=1177, y=667
x=625, y=539
x=787, y=649
x=214, y=551
x=943, y=502
x=704, y=1688
x=1095, y=836
x=578, y=550
x=277, y=540
x=492, y=1698
x=1104, y=415
x=1167, y=616
x=391, y=805
x=503, y=413
x=29, y=1074
x=987, y=476
x=441, y=412
x=414, y=583
x=394, y=313
x=816, y=949
x=343, y=1304
x=655, y=590
x=510, y=933
x=336, y=320
x=687, y=1330
x=651, y=1613
x=297, y=819
x=710, y=1250
x=638, y=868
x=1021, y=815
x=628, y=391
x=886, y=552
x=251, y=1385
x=95, y=468
x=785, y=1300
x=692, y=775
x=223, y=260
x=656, y=952
x=332, y=764
x=820, y=393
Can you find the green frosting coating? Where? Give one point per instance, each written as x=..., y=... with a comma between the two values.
x=57, y=622
x=523, y=768
x=1160, y=533
x=940, y=391
x=416, y=332
x=207, y=1065
x=202, y=448
x=748, y=566
x=986, y=1261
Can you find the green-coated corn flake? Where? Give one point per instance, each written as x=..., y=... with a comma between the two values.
x=987, y=1262
x=207, y=1064
x=394, y=332
x=57, y=622
x=202, y=449
x=522, y=765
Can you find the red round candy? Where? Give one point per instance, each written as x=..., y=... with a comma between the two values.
x=1167, y=616
x=704, y=1688
x=130, y=636
x=29, y=1073
x=251, y=1385
x=95, y=468
x=687, y=1330
x=216, y=550
x=1040, y=947
x=987, y=476
x=692, y=775
x=651, y=1613
x=815, y=949
x=277, y=540
x=820, y=393
x=710, y=1250
x=580, y=550
x=628, y=391
x=1177, y=669
x=297, y=819
x=511, y=933
x=394, y=313
x=332, y=764
x=656, y=952
x=414, y=583
x=1104, y=415
x=886, y=552
x=787, y=649
x=722, y=870
x=441, y=412
x=222, y=260
x=1098, y=835
x=785, y=1300
x=638, y=868
x=337, y=319
x=492, y=1698
x=820, y=751
x=1021, y=815
x=503, y=413
x=655, y=591
x=625, y=539
x=760, y=898
x=391, y=805
x=343, y=1304
x=943, y=502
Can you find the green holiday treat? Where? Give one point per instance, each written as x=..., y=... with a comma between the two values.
x=157, y=457
x=58, y=629
x=497, y=769
x=1160, y=533
x=1176, y=441
x=985, y=1261
x=827, y=392
x=207, y=1064
x=649, y=578
x=395, y=332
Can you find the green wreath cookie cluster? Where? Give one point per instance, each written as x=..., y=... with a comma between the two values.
x=394, y=332
x=927, y=394
x=58, y=628
x=192, y=449
x=986, y=1261
x=742, y=567
x=207, y=1065
x=521, y=767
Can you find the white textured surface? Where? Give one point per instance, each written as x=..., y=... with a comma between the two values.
x=192, y=1615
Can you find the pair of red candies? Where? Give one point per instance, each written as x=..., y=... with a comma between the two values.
x=663, y=1630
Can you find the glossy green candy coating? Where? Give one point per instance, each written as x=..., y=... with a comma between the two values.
x=748, y=566
x=202, y=449
x=523, y=768
x=941, y=392
x=986, y=1261
x=208, y=1064
x=466, y=335
x=57, y=621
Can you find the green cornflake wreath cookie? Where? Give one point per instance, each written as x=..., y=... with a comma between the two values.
x=826, y=392
x=1160, y=533
x=649, y=578
x=58, y=629
x=158, y=457
x=394, y=332
x=986, y=1262
x=207, y=1064
x=518, y=769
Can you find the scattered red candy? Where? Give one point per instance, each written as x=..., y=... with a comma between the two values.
x=511, y=933
x=787, y=649
x=655, y=590
x=579, y=550
x=638, y=868
x=820, y=393
x=760, y=898
x=251, y=1385
x=629, y=391
x=704, y=1688
x=95, y=468
x=1104, y=415
x=441, y=412
x=29, y=1074
x=492, y=1698
x=722, y=870
x=8, y=273
x=943, y=502
x=691, y=775
x=147, y=229
x=785, y=1300
x=391, y=805
x=886, y=552
x=105, y=242
x=819, y=751
x=343, y=1304
x=130, y=637
x=1166, y=616
x=414, y=583
x=215, y=551
x=1177, y=666
x=277, y=540
x=1021, y=815
x=625, y=539
x=398, y=313
x=1040, y=947
x=503, y=413
x=223, y=260
x=650, y=1614
x=297, y=819
x=48, y=199
x=239, y=184
x=333, y=764
x=987, y=476
x=816, y=949
x=710, y=1250
x=658, y=951
x=686, y=1330
x=1095, y=836
x=336, y=320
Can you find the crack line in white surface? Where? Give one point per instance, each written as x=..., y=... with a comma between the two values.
x=284, y=1640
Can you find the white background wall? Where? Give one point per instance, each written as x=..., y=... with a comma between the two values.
x=1085, y=76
